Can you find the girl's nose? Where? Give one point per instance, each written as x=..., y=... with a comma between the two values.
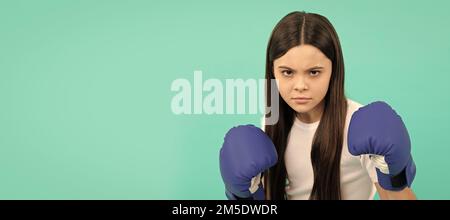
x=300, y=84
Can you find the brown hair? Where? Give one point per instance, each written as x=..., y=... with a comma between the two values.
x=295, y=29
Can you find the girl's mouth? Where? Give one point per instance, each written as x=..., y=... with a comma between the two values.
x=301, y=100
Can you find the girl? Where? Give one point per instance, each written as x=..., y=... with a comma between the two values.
x=304, y=56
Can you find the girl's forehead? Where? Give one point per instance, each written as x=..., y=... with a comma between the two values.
x=302, y=57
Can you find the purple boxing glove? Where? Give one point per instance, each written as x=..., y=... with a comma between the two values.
x=246, y=152
x=376, y=129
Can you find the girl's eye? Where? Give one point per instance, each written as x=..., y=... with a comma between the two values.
x=314, y=73
x=287, y=72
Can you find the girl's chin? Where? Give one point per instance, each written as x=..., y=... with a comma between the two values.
x=301, y=108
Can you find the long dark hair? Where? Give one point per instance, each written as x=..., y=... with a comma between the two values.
x=298, y=28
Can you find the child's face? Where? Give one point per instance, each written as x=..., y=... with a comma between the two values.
x=303, y=72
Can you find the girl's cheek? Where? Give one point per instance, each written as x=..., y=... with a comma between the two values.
x=284, y=89
x=280, y=85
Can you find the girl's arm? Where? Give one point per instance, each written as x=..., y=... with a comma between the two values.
x=405, y=194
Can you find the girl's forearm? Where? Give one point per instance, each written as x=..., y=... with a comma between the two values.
x=405, y=194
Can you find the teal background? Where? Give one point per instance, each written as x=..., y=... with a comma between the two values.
x=85, y=89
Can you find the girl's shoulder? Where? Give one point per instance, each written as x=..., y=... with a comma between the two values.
x=352, y=106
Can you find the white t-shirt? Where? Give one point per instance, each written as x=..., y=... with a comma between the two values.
x=358, y=173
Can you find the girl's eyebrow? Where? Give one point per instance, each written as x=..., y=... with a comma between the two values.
x=312, y=68
x=284, y=67
x=315, y=67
